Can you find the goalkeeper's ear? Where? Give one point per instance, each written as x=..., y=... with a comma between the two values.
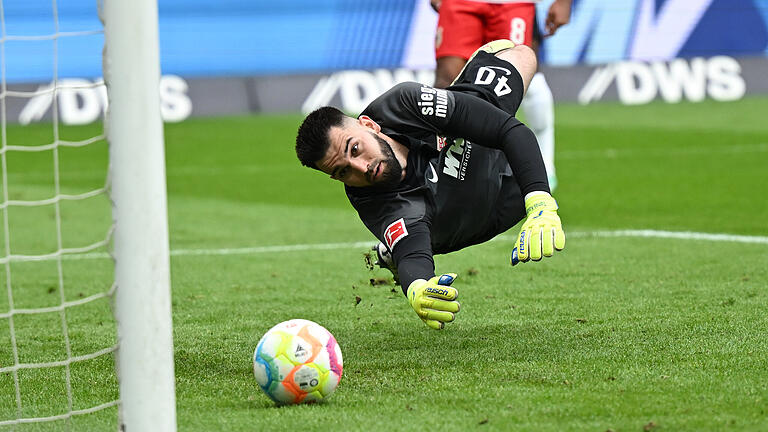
x=368, y=122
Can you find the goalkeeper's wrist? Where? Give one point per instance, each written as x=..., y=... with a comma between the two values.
x=535, y=193
x=413, y=286
x=539, y=200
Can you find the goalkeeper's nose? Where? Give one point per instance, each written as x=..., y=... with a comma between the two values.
x=357, y=166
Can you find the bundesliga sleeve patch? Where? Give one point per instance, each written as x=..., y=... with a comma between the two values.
x=395, y=232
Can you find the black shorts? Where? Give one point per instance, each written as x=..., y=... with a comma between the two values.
x=493, y=80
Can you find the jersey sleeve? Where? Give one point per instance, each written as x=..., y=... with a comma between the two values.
x=400, y=223
x=412, y=109
x=485, y=124
x=413, y=256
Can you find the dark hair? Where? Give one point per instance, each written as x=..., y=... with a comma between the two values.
x=312, y=140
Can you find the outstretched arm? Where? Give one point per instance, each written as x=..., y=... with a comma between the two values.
x=430, y=296
x=403, y=232
x=483, y=123
x=542, y=232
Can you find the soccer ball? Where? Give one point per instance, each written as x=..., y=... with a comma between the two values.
x=297, y=361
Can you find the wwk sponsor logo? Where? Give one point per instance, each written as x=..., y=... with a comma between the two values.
x=691, y=79
x=82, y=101
x=457, y=158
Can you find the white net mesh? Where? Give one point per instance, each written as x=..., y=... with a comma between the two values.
x=57, y=333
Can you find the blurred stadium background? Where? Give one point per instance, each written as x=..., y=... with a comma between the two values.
x=237, y=56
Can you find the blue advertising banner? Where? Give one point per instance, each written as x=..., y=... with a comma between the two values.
x=603, y=31
x=263, y=37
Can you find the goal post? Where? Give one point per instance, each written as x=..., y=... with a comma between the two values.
x=138, y=190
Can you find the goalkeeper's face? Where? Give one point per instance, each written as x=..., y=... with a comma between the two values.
x=359, y=157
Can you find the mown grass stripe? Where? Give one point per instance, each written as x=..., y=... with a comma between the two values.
x=677, y=235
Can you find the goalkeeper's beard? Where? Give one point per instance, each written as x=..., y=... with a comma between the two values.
x=392, y=171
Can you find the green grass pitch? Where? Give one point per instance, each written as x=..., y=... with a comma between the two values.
x=618, y=332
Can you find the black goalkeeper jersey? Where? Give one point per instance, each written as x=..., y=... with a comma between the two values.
x=459, y=188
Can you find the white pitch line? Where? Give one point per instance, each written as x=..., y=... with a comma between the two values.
x=681, y=235
x=677, y=235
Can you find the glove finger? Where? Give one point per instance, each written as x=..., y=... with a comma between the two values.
x=437, y=325
x=441, y=305
x=534, y=247
x=548, y=242
x=559, y=239
x=522, y=245
x=513, y=259
x=437, y=315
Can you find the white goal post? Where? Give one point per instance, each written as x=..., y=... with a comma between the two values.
x=141, y=249
x=57, y=335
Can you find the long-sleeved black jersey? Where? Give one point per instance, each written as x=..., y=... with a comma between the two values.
x=469, y=165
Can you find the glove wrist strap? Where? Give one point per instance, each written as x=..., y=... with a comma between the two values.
x=535, y=193
x=539, y=200
x=413, y=284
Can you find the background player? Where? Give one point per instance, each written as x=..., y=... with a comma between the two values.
x=430, y=171
x=464, y=25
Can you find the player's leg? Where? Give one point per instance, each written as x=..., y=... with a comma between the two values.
x=523, y=59
x=447, y=69
x=488, y=74
x=517, y=21
x=539, y=108
x=459, y=33
x=498, y=72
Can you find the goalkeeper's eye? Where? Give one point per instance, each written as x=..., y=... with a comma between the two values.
x=353, y=151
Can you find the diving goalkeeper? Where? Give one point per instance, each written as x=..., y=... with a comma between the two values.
x=432, y=171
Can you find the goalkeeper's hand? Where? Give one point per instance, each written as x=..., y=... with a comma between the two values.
x=434, y=300
x=542, y=232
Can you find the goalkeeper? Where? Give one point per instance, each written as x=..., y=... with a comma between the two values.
x=432, y=171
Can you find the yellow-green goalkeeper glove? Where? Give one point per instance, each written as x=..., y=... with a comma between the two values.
x=542, y=232
x=434, y=300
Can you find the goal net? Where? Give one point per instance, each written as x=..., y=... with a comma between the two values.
x=85, y=334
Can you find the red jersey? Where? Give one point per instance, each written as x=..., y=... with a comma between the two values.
x=465, y=25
